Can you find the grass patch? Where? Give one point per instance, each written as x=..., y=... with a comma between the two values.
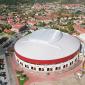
x=22, y=78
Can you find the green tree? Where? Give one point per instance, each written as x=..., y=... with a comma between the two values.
x=64, y=30
x=0, y=31
x=6, y=26
x=41, y=24
x=70, y=28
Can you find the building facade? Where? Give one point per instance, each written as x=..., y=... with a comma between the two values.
x=47, y=50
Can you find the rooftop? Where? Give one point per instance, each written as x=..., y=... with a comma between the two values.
x=47, y=44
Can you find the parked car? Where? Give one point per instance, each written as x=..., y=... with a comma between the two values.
x=3, y=39
x=2, y=73
x=7, y=44
x=3, y=83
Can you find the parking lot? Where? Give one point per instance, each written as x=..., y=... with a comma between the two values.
x=6, y=71
x=4, y=76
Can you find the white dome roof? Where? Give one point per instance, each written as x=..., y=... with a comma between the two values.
x=47, y=44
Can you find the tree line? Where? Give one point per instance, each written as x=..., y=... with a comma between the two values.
x=15, y=2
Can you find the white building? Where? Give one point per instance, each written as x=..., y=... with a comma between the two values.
x=82, y=38
x=47, y=50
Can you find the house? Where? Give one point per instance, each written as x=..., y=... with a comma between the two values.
x=16, y=27
x=37, y=6
x=71, y=6
x=31, y=22
x=7, y=31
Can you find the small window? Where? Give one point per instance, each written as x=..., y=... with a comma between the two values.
x=56, y=68
x=39, y=69
x=31, y=67
x=51, y=69
x=48, y=69
x=21, y=63
x=64, y=66
x=70, y=63
x=26, y=66
x=42, y=69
